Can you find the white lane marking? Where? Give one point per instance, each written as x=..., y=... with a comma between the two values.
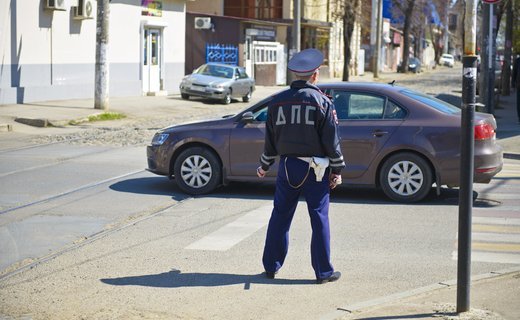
x=494, y=221
x=491, y=257
x=496, y=237
x=229, y=235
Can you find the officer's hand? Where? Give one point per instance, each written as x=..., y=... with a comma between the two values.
x=260, y=172
x=334, y=180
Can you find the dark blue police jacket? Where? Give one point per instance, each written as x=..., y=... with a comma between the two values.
x=302, y=122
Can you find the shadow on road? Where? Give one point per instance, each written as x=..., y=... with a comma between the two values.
x=150, y=185
x=265, y=190
x=177, y=279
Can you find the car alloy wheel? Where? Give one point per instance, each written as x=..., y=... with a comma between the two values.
x=185, y=96
x=227, y=98
x=247, y=97
x=197, y=170
x=406, y=177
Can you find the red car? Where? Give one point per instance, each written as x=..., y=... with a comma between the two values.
x=392, y=137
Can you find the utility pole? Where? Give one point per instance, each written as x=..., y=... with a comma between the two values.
x=296, y=34
x=469, y=80
x=377, y=50
x=101, y=99
x=508, y=52
x=487, y=66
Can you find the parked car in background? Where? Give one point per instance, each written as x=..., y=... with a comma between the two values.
x=392, y=137
x=447, y=60
x=218, y=81
x=414, y=65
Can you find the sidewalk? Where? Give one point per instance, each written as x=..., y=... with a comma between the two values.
x=493, y=296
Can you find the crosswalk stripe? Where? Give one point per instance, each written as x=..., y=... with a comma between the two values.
x=495, y=247
x=495, y=257
x=495, y=228
x=234, y=232
x=496, y=237
x=496, y=220
x=498, y=196
x=508, y=173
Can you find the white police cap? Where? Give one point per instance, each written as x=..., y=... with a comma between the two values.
x=306, y=62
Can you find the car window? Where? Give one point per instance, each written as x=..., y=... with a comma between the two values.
x=242, y=73
x=260, y=115
x=393, y=111
x=431, y=101
x=216, y=71
x=351, y=106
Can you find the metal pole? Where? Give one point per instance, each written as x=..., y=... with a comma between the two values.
x=378, y=38
x=469, y=62
x=296, y=35
x=297, y=26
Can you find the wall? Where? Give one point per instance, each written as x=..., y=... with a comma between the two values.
x=48, y=55
x=226, y=31
x=214, y=7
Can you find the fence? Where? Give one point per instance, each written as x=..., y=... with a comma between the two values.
x=227, y=54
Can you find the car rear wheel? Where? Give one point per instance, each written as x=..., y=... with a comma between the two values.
x=247, y=97
x=185, y=96
x=227, y=98
x=197, y=171
x=406, y=177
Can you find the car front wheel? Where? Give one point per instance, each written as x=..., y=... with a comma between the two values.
x=185, y=96
x=247, y=97
x=406, y=177
x=227, y=98
x=197, y=171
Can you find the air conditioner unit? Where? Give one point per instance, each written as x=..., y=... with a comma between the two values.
x=84, y=10
x=202, y=23
x=55, y=4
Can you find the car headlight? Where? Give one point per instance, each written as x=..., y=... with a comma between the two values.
x=217, y=86
x=159, y=138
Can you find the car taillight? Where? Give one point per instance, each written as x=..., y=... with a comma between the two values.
x=484, y=131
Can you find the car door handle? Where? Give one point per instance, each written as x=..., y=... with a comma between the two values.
x=379, y=133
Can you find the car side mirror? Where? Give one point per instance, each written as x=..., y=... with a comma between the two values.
x=247, y=117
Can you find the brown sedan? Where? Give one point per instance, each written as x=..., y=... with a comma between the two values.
x=394, y=138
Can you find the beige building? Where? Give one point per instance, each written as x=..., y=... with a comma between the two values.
x=320, y=28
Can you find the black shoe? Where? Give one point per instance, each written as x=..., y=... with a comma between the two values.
x=333, y=277
x=270, y=275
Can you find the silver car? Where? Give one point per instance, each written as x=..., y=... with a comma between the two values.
x=218, y=81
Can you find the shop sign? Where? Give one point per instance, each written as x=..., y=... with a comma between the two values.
x=151, y=8
x=262, y=34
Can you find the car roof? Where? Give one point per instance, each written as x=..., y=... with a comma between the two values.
x=361, y=86
x=221, y=64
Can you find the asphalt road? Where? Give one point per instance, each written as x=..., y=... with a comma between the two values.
x=85, y=232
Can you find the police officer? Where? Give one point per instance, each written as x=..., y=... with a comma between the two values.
x=301, y=128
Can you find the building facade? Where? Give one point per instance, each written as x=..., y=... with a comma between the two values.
x=48, y=48
x=262, y=30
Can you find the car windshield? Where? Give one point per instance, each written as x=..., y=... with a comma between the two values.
x=215, y=71
x=431, y=101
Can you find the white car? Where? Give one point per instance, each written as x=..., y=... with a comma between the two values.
x=218, y=81
x=447, y=60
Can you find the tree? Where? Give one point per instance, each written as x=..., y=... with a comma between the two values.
x=437, y=33
x=405, y=9
x=347, y=12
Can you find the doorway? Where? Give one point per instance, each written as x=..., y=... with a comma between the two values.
x=152, y=60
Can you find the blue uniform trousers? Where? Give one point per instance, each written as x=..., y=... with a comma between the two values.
x=285, y=201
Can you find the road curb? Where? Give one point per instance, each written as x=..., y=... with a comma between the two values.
x=392, y=298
